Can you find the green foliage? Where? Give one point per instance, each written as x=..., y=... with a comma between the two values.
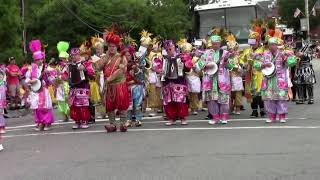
x=10, y=31
x=75, y=20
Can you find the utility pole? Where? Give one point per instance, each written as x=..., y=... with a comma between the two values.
x=308, y=19
x=24, y=29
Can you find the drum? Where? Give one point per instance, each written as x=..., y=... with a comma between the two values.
x=269, y=71
x=35, y=87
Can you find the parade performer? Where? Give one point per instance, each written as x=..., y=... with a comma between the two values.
x=136, y=83
x=275, y=84
x=154, y=85
x=13, y=83
x=80, y=70
x=51, y=76
x=193, y=79
x=3, y=101
x=98, y=45
x=62, y=81
x=236, y=76
x=216, y=81
x=39, y=97
x=95, y=98
x=253, y=77
x=3, y=104
x=304, y=76
x=175, y=88
x=116, y=90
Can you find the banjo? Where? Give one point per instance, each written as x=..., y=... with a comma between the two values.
x=269, y=72
x=37, y=85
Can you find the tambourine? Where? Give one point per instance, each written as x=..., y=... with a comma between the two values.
x=269, y=71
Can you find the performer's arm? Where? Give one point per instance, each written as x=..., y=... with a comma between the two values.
x=122, y=68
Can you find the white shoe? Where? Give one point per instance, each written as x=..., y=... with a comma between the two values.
x=76, y=126
x=84, y=126
x=268, y=121
x=213, y=122
x=283, y=121
x=1, y=147
x=37, y=129
x=170, y=123
x=184, y=122
x=152, y=115
x=2, y=131
x=224, y=122
x=46, y=128
x=238, y=113
x=195, y=113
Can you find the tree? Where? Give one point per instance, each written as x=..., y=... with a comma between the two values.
x=10, y=31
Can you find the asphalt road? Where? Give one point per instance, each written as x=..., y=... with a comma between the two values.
x=244, y=149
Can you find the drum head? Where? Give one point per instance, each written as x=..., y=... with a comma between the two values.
x=268, y=71
x=213, y=70
x=36, y=86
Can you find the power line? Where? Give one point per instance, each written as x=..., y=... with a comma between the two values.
x=80, y=19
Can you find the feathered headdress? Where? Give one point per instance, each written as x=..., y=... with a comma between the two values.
x=184, y=45
x=168, y=43
x=128, y=44
x=111, y=37
x=97, y=42
x=63, y=47
x=231, y=42
x=85, y=48
x=145, y=39
x=35, y=47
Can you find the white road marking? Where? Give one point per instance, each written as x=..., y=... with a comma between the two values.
x=166, y=129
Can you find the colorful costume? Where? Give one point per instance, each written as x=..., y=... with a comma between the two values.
x=13, y=83
x=304, y=77
x=40, y=101
x=79, y=89
x=236, y=76
x=253, y=77
x=175, y=88
x=192, y=77
x=3, y=101
x=62, y=81
x=116, y=89
x=217, y=87
x=154, y=85
x=275, y=88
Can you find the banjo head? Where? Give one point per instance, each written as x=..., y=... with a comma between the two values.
x=269, y=71
x=212, y=70
x=36, y=86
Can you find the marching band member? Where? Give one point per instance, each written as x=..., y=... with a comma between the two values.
x=304, y=76
x=175, y=88
x=193, y=79
x=79, y=72
x=13, y=83
x=98, y=45
x=275, y=86
x=217, y=86
x=51, y=76
x=253, y=77
x=62, y=81
x=116, y=90
x=3, y=103
x=236, y=76
x=39, y=99
x=135, y=80
x=154, y=85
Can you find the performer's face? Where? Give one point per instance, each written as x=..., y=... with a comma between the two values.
x=100, y=50
x=76, y=58
x=172, y=50
x=216, y=45
x=112, y=48
x=273, y=47
x=39, y=62
x=128, y=56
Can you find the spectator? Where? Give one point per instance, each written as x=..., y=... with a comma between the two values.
x=14, y=73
